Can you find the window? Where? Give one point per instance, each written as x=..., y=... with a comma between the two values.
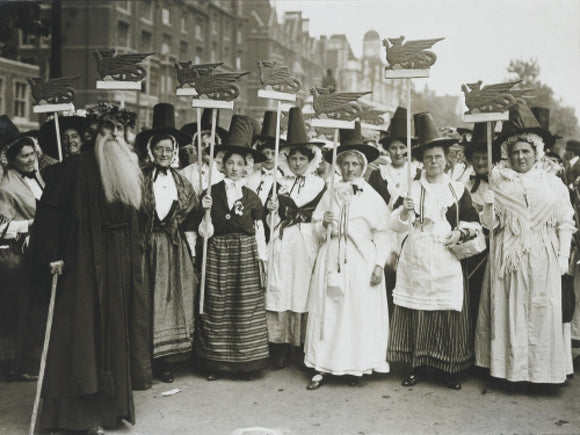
x=227, y=53
x=147, y=11
x=28, y=39
x=198, y=32
x=214, y=24
x=165, y=16
x=153, y=80
x=183, y=50
x=227, y=29
x=238, y=63
x=20, y=99
x=183, y=25
x=213, y=53
x=239, y=36
x=123, y=34
x=45, y=41
x=166, y=45
x=146, y=41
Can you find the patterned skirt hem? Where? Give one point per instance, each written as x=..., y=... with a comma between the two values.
x=232, y=367
x=428, y=361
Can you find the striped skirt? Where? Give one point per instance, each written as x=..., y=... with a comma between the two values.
x=439, y=339
x=232, y=335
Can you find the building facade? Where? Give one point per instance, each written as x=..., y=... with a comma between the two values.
x=15, y=93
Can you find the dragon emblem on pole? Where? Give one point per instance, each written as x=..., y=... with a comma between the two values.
x=499, y=97
x=207, y=82
x=342, y=106
x=277, y=77
x=122, y=67
x=410, y=55
x=53, y=91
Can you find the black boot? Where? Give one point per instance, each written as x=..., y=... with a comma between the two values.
x=278, y=353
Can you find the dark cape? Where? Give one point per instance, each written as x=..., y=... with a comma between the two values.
x=100, y=332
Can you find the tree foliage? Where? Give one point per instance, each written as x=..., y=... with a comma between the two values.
x=563, y=120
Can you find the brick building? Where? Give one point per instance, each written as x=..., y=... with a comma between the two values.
x=198, y=30
x=15, y=97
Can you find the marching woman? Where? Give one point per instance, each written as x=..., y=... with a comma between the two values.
x=293, y=244
x=348, y=319
x=20, y=188
x=520, y=335
x=167, y=204
x=232, y=335
x=430, y=324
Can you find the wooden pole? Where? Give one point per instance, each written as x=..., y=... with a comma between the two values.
x=207, y=212
x=409, y=175
x=489, y=177
x=276, y=153
x=329, y=228
x=40, y=381
x=58, y=142
x=199, y=149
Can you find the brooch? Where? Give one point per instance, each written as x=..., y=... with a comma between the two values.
x=238, y=208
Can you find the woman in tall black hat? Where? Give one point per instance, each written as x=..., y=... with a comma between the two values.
x=189, y=152
x=520, y=336
x=430, y=325
x=477, y=184
x=293, y=245
x=168, y=201
x=21, y=187
x=348, y=324
x=390, y=181
x=232, y=335
x=261, y=181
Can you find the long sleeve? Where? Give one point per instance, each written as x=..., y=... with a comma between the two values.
x=398, y=225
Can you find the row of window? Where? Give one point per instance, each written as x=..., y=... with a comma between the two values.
x=21, y=94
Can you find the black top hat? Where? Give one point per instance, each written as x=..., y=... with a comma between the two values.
x=47, y=132
x=192, y=128
x=479, y=142
x=522, y=120
x=297, y=130
x=239, y=138
x=542, y=114
x=267, y=136
x=351, y=139
x=163, y=123
x=397, y=128
x=429, y=135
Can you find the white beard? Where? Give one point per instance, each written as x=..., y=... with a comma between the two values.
x=119, y=168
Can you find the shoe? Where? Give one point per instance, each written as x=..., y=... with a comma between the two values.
x=410, y=380
x=316, y=382
x=278, y=353
x=353, y=381
x=452, y=382
x=97, y=430
x=213, y=377
x=250, y=376
x=166, y=376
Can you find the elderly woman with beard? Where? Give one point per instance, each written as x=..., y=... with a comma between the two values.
x=348, y=319
x=520, y=336
x=20, y=188
x=430, y=325
x=87, y=230
x=168, y=226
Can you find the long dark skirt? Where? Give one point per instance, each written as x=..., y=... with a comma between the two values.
x=437, y=339
x=82, y=412
x=232, y=335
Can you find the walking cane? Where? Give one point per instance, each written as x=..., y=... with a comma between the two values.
x=207, y=216
x=44, y=354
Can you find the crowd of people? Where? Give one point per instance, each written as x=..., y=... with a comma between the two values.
x=340, y=272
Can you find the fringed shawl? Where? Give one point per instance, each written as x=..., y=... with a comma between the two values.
x=527, y=206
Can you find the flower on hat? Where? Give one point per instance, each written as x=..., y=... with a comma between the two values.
x=112, y=112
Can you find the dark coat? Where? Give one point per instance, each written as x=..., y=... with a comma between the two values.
x=75, y=223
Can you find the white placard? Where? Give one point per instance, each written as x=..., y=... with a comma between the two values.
x=486, y=117
x=406, y=73
x=213, y=104
x=49, y=108
x=186, y=92
x=331, y=123
x=275, y=95
x=118, y=85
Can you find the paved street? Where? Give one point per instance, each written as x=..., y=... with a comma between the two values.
x=280, y=401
